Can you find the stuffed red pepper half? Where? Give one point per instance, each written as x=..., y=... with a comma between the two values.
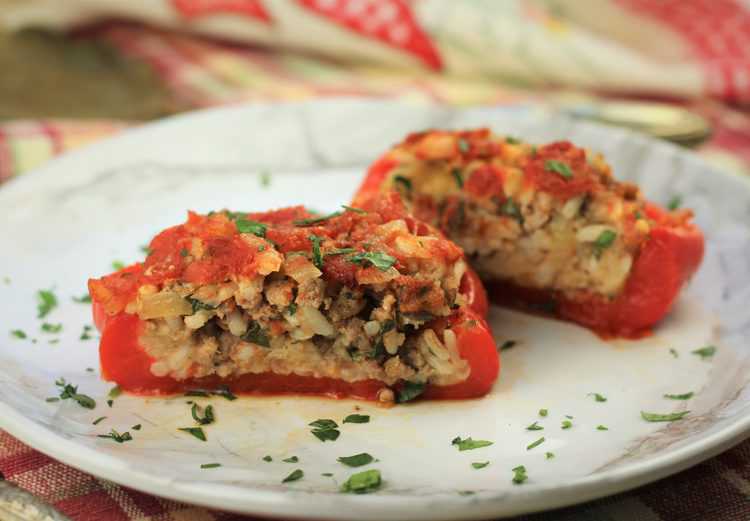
x=366, y=303
x=547, y=228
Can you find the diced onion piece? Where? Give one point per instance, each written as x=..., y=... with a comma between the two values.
x=162, y=305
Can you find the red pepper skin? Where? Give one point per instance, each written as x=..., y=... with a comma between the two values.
x=473, y=289
x=125, y=362
x=667, y=260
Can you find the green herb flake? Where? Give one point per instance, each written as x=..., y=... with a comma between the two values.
x=456, y=173
x=543, y=413
x=210, y=465
x=512, y=140
x=265, y=179
x=117, y=265
x=109, y=403
x=145, y=248
x=46, y=301
x=511, y=209
x=52, y=399
x=362, y=482
x=68, y=391
x=324, y=424
x=519, y=474
x=98, y=420
x=549, y=455
x=480, y=464
x=674, y=353
x=357, y=460
x=196, y=432
x=327, y=474
x=466, y=492
x=316, y=255
x=54, y=341
x=116, y=436
x=685, y=396
x=559, y=168
x=89, y=369
x=208, y=414
x=294, y=476
x=598, y=397
x=86, y=333
x=353, y=209
x=51, y=328
x=18, y=333
x=535, y=443
x=292, y=309
x=253, y=227
x=136, y=427
x=357, y=418
x=705, y=352
x=83, y=299
x=267, y=459
x=463, y=145
x=656, y=417
x=508, y=344
x=255, y=334
x=534, y=427
x=325, y=430
x=291, y=459
x=315, y=220
x=115, y=392
x=409, y=391
x=604, y=241
x=566, y=424
x=675, y=202
x=469, y=443
x=602, y=428
x=404, y=181
x=380, y=260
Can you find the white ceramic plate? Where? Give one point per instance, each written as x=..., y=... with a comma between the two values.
x=71, y=219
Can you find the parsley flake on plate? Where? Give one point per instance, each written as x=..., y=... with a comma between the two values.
x=705, y=352
x=602, y=428
x=480, y=464
x=543, y=412
x=291, y=459
x=674, y=352
x=535, y=427
x=656, y=417
x=549, y=455
x=325, y=430
x=196, y=432
x=83, y=299
x=357, y=418
x=469, y=443
x=675, y=202
x=409, y=391
x=46, y=327
x=208, y=414
x=116, y=436
x=598, y=397
x=46, y=301
x=357, y=460
x=362, y=482
x=685, y=396
x=566, y=424
x=86, y=333
x=115, y=392
x=18, y=333
x=508, y=344
x=535, y=444
x=68, y=391
x=294, y=476
x=98, y=420
x=117, y=265
x=265, y=179
x=267, y=458
x=210, y=465
x=519, y=474
x=136, y=427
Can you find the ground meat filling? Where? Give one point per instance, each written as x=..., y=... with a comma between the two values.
x=290, y=317
x=549, y=217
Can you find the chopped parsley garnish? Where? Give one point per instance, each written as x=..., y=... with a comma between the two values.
x=558, y=167
x=136, y=427
x=469, y=443
x=208, y=414
x=480, y=464
x=292, y=308
x=675, y=202
x=145, y=249
x=549, y=455
x=291, y=459
x=353, y=209
x=511, y=209
x=86, y=333
x=656, y=417
x=512, y=140
x=52, y=399
x=405, y=181
x=225, y=393
x=685, y=396
x=325, y=430
x=71, y=392
x=543, y=412
x=340, y=251
x=83, y=299
x=98, y=420
x=508, y=344
x=466, y=492
x=602, y=428
x=566, y=424
x=327, y=474
x=267, y=459
x=115, y=391
x=315, y=220
x=357, y=418
x=357, y=460
x=196, y=432
x=210, y=465
x=51, y=328
x=456, y=173
x=362, y=482
x=604, y=241
x=409, y=391
x=705, y=352
x=568, y=416
x=519, y=474
x=109, y=403
x=316, y=255
x=463, y=145
x=535, y=443
x=89, y=369
x=18, y=333
x=54, y=341
x=254, y=227
x=257, y=335
x=674, y=352
x=265, y=179
x=46, y=301
x=598, y=397
x=294, y=476
x=117, y=265
x=116, y=436
x=183, y=252
x=534, y=427
x=380, y=260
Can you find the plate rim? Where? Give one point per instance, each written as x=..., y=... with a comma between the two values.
x=307, y=505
